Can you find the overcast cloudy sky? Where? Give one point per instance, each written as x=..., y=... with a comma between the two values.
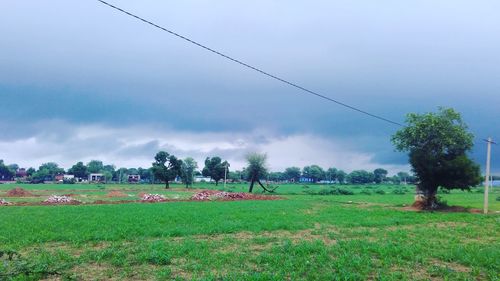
x=80, y=81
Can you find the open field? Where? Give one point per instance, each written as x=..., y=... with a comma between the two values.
x=302, y=237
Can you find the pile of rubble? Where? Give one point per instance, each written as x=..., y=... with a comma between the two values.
x=60, y=199
x=3, y=202
x=153, y=198
x=223, y=195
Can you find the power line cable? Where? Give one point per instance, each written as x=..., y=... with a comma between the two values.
x=253, y=67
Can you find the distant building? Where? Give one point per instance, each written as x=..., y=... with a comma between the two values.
x=202, y=179
x=59, y=178
x=21, y=173
x=134, y=178
x=96, y=178
x=306, y=179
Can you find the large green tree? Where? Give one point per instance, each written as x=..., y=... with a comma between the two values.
x=331, y=174
x=257, y=168
x=47, y=172
x=341, y=175
x=360, y=177
x=314, y=172
x=166, y=167
x=437, y=145
x=215, y=168
x=379, y=175
x=79, y=170
x=5, y=173
x=188, y=168
x=95, y=166
x=292, y=174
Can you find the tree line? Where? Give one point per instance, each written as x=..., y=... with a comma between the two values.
x=167, y=168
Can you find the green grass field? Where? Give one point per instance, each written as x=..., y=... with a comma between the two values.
x=305, y=236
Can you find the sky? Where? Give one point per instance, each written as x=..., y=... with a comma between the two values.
x=80, y=81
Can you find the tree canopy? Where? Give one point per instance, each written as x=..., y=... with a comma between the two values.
x=166, y=167
x=257, y=167
x=292, y=174
x=215, y=168
x=437, y=145
x=314, y=172
x=188, y=168
x=79, y=170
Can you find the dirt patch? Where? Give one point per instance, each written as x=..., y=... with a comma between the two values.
x=116, y=194
x=19, y=192
x=451, y=265
x=444, y=209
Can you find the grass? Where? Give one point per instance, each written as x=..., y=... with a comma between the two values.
x=304, y=237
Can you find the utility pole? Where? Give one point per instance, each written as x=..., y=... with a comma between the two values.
x=489, y=141
x=225, y=175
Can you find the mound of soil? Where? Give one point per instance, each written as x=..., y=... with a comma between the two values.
x=222, y=195
x=19, y=192
x=116, y=194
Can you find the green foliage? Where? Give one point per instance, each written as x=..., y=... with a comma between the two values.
x=188, y=168
x=47, y=172
x=498, y=198
x=5, y=172
x=331, y=174
x=341, y=176
x=166, y=167
x=297, y=238
x=79, y=170
x=15, y=267
x=380, y=191
x=292, y=174
x=314, y=172
x=215, y=168
x=257, y=167
x=331, y=191
x=400, y=191
x=437, y=144
x=360, y=177
x=379, y=175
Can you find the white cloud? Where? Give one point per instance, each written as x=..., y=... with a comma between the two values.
x=136, y=146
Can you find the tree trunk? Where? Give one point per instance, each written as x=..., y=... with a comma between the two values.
x=216, y=183
x=166, y=185
x=251, y=186
x=425, y=198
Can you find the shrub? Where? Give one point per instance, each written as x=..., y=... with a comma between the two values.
x=379, y=191
x=441, y=202
x=335, y=191
x=310, y=192
x=344, y=191
x=366, y=192
x=69, y=181
x=498, y=198
x=399, y=191
x=444, y=191
x=324, y=192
